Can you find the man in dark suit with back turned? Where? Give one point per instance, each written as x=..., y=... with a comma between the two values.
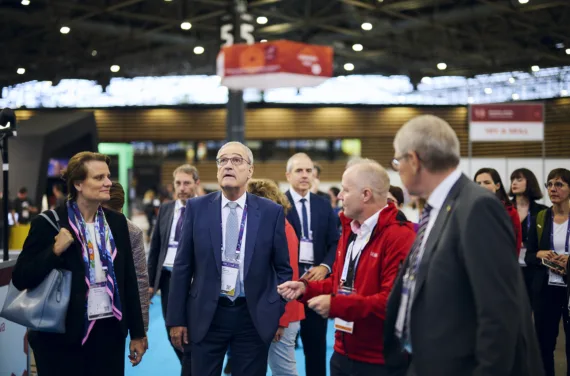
x=166, y=236
x=231, y=257
x=315, y=223
x=459, y=305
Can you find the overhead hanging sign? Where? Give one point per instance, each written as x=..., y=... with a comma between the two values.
x=506, y=122
x=274, y=64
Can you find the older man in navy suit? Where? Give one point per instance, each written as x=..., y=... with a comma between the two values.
x=316, y=226
x=231, y=257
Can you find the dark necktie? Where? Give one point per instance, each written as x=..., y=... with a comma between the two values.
x=305, y=219
x=178, y=230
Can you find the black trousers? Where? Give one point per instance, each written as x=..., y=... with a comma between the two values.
x=341, y=365
x=164, y=287
x=551, y=306
x=528, y=273
x=314, y=336
x=231, y=326
x=102, y=354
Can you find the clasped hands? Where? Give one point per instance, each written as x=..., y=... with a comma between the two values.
x=292, y=290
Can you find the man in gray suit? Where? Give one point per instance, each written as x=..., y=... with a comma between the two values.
x=458, y=306
x=164, y=241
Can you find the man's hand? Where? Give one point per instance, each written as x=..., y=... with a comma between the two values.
x=321, y=304
x=317, y=273
x=547, y=255
x=179, y=337
x=279, y=334
x=137, y=349
x=291, y=290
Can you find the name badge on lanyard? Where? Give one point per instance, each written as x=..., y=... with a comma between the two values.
x=553, y=278
x=230, y=268
x=171, y=254
x=340, y=324
x=306, y=251
x=98, y=301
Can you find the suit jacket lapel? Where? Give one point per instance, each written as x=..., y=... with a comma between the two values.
x=314, y=214
x=253, y=220
x=293, y=216
x=167, y=223
x=435, y=233
x=215, y=225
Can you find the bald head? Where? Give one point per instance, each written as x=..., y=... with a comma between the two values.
x=370, y=174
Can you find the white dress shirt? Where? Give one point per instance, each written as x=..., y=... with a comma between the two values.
x=225, y=213
x=172, y=244
x=299, y=206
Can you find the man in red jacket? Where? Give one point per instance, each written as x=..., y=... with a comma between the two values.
x=371, y=249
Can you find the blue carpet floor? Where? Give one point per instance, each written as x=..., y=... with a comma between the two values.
x=160, y=358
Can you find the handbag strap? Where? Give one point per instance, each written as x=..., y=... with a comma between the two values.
x=57, y=227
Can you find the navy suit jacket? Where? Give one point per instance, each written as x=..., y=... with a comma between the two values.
x=196, y=277
x=323, y=225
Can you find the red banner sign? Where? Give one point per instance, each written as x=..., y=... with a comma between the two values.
x=506, y=122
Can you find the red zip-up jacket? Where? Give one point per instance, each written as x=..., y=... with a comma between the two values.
x=379, y=263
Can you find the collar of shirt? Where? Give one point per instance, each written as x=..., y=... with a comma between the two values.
x=297, y=197
x=440, y=193
x=240, y=201
x=179, y=205
x=368, y=225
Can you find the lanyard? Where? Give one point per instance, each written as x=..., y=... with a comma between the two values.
x=552, y=234
x=241, y=231
x=528, y=222
x=349, y=257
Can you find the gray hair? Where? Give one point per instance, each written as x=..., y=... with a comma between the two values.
x=371, y=175
x=248, y=151
x=433, y=139
x=293, y=158
x=187, y=169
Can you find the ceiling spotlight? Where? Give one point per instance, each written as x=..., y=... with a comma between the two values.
x=167, y=1
x=568, y=51
x=559, y=45
x=366, y=26
x=564, y=92
x=426, y=80
x=198, y=50
x=535, y=68
x=64, y=30
x=357, y=47
x=185, y=25
x=470, y=100
x=25, y=2
x=94, y=53
x=441, y=66
x=488, y=90
x=21, y=71
x=523, y=1
x=515, y=97
x=263, y=41
x=115, y=68
x=349, y=67
x=512, y=80
x=261, y=20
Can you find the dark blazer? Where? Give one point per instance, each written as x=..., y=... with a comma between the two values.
x=159, y=243
x=533, y=210
x=324, y=225
x=470, y=312
x=196, y=277
x=540, y=279
x=37, y=260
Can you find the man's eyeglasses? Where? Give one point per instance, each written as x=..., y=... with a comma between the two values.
x=556, y=185
x=236, y=161
x=396, y=162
